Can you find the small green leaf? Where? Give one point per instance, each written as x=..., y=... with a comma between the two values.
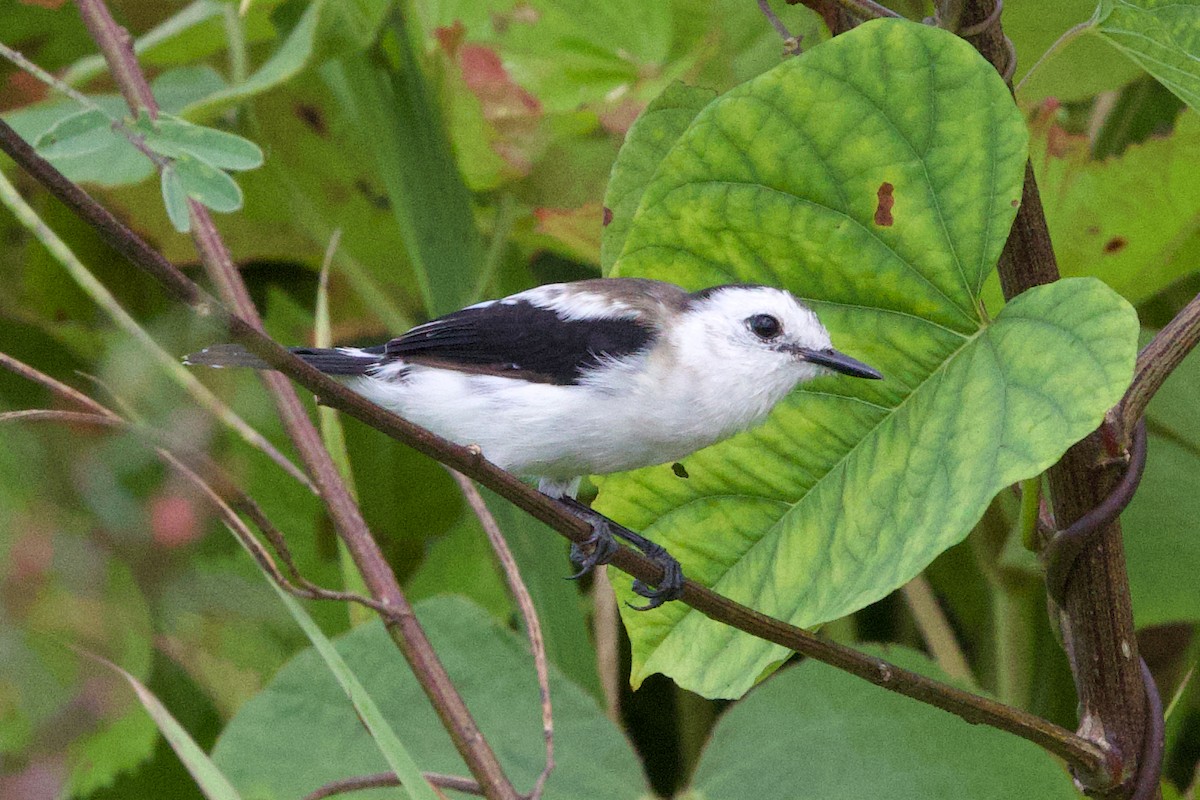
x=848, y=734
x=208, y=185
x=648, y=141
x=852, y=487
x=116, y=164
x=175, y=199
x=174, y=137
x=80, y=134
x=1163, y=36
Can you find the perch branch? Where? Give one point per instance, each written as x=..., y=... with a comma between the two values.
x=1084, y=755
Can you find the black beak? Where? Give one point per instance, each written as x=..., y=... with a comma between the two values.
x=839, y=362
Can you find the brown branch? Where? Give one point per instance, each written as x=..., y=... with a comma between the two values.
x=117, y=46
x=381, y=779
x=1096, y=617
x=1085, y=755
x=57, y=388
x=402, y=625
x=1157, y=361
x=533, y=626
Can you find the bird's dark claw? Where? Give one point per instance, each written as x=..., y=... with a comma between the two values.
x=599, y=548
x=669, y=588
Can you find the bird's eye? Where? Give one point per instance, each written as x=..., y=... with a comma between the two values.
x=764, y=326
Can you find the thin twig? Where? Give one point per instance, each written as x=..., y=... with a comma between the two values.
x=867, y=9
x=1069, y=35
x=57, y=388
x=381, y=779
x=935, y=629
x=1085, y=755
x=533, y=626
x=791, y=44
x=1158, y=359
x=402, y=625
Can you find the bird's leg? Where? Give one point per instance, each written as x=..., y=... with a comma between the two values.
x=603, y=547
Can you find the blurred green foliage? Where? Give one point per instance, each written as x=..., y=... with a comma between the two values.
x=463, y=150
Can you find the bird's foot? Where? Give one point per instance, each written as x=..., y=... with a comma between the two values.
x=671, y=585
x=601, y=546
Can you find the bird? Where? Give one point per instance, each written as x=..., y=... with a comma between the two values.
x=591, y=377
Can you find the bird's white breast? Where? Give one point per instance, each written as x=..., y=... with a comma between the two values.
x=650, y=409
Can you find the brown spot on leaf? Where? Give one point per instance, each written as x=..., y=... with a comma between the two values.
x=883, y=211
x=1115, y=244
x=679, y=470
x=607, y=216
x=312, y=117
x=1092, y=230
x=1015, y=203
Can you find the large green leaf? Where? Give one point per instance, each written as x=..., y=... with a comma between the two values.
x=833, y=737
x=1132, y=221
x=269, y=751
x=851, y=488
x=1163, y=36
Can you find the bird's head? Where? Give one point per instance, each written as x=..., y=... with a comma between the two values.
x=764, y=331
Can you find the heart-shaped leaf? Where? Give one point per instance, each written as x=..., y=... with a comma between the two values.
x=853, y=487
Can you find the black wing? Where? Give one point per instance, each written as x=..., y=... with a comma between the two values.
x=519, y=339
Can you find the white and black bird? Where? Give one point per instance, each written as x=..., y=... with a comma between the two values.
x=591, y=377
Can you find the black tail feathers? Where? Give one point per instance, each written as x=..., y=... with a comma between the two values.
x=331, y=361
